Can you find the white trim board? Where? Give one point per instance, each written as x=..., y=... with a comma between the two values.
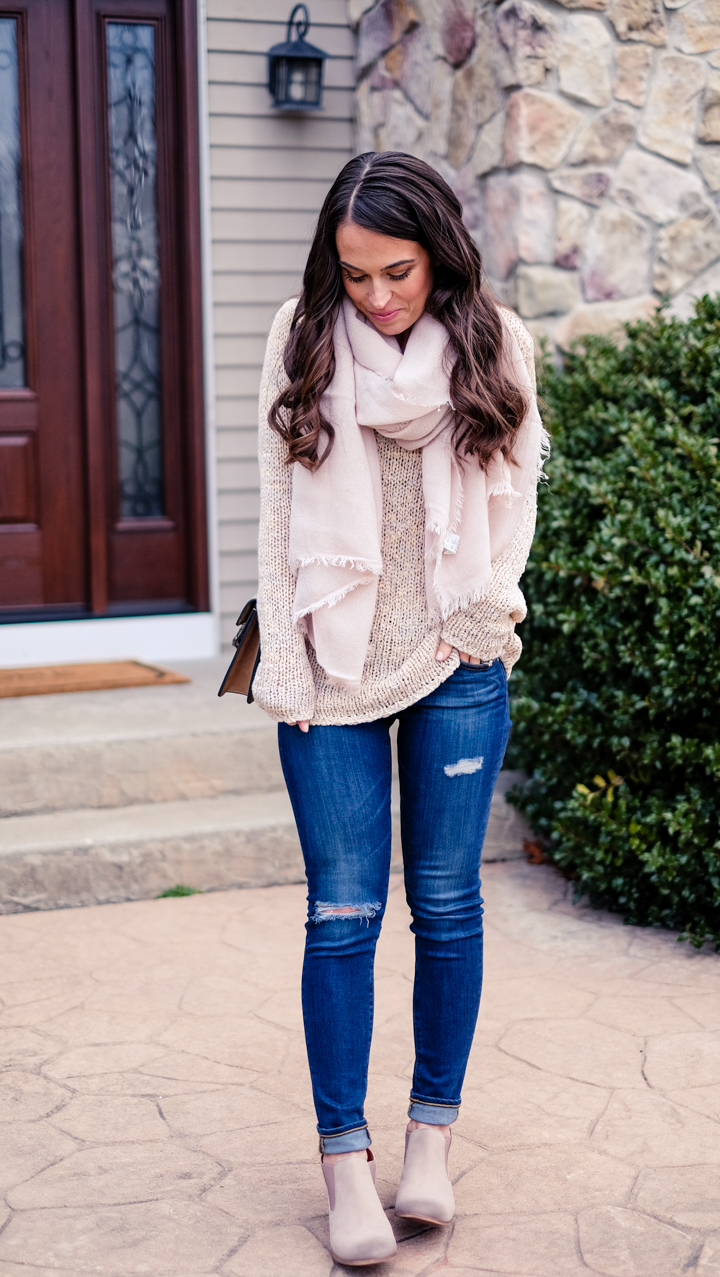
x=206, y=249
x=189, y=637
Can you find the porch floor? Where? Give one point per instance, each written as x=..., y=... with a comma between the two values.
x=157, y=1117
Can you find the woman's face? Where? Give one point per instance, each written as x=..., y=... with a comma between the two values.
x=389, y=280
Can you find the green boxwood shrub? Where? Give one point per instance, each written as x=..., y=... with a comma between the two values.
x=616, y=702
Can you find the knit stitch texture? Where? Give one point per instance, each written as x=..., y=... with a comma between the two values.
x=400, y=667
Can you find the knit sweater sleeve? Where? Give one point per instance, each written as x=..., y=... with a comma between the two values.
x=283, y=685
x=488, y=627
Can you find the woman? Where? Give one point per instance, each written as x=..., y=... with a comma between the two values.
x=400, y=447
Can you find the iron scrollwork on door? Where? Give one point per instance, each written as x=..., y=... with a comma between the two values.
x=136, y=267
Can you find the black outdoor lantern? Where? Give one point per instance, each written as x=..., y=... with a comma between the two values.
x=295, y=68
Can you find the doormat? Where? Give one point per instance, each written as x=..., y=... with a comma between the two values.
x=94, y=676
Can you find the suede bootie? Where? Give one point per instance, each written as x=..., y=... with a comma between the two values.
x=425, y=1191
x=360, y=1231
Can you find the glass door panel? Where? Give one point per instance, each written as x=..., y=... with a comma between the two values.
x=148, y=420
x=12, y=320
x=130, y=52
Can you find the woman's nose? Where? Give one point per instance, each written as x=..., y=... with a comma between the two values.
x=380, y=294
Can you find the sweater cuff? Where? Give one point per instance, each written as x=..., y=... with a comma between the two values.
x=484, y=643
x=284, y=698
x=468, y=635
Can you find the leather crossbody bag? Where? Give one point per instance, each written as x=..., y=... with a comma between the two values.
x=241, y=670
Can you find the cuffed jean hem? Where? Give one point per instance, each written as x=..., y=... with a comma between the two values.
x=433, y=1114
x=349, y=1142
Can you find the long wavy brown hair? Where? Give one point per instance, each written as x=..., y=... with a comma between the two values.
x=401, y=196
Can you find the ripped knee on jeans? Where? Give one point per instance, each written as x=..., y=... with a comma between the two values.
x=326, y=911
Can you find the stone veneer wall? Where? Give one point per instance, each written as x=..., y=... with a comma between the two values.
x=581, y=136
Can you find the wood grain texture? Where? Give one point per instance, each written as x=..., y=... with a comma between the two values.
x=18, y=492
x=43, y=553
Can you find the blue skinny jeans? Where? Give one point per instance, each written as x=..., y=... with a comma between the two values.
x=450, y=749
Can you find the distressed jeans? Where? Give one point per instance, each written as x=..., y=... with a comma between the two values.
x=450, y=749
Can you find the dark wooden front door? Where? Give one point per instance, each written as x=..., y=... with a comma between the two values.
x=101, y=410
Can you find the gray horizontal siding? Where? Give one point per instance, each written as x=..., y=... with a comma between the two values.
x=236, y=412
x=238, y=319
x=238, y=36
x=251, y=161
x=249, y=131
x=268, y=288
x=253, y=226
x=236, y=444
x=269, y=175
x=327, y=11
x=305, y=195
x=243, y=68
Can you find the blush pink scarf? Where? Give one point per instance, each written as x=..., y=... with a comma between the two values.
x=335, y=525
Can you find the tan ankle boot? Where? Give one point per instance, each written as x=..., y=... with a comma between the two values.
x=425, y=1191
x=360, y=1231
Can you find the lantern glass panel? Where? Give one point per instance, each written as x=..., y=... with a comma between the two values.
x=298, y=81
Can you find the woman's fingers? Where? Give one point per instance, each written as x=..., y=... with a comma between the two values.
x=303, y=724
x=445, y=649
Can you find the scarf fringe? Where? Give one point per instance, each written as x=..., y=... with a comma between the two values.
x=439, y=608
x=505, y=489
x=336, y=561
x=461, y=603
x=329, y=600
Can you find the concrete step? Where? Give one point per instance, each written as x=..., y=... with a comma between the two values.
x=119, y=795
x=98, y=856
x=70, y=858
x=120, y=772
x=134, y=745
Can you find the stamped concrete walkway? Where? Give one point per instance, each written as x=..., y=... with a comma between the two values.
x=156, y=1119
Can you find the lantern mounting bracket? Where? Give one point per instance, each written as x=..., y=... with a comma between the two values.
x=302, y=25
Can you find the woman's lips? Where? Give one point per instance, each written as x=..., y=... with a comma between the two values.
x=384, y=316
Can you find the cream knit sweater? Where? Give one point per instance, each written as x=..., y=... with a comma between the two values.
x=401, y=667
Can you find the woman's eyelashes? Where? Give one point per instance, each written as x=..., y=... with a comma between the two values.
x=359, y=279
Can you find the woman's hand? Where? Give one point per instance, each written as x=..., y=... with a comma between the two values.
x=445, y=649
x=442, y=654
